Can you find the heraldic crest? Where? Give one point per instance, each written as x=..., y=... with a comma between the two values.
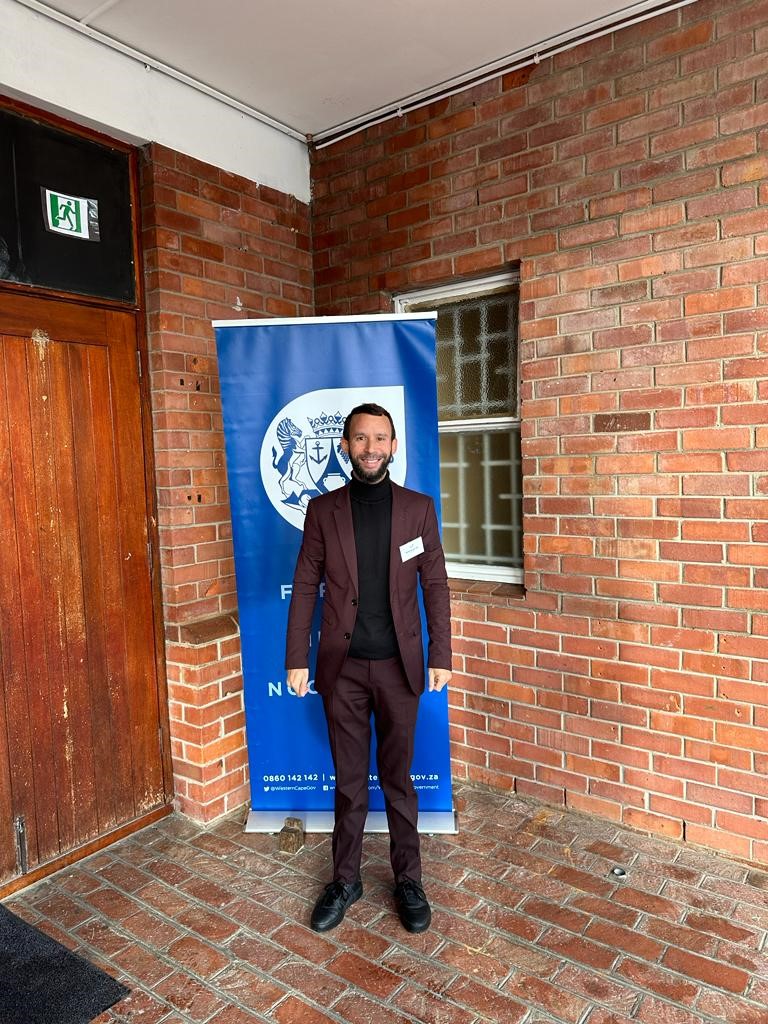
x=311, y=463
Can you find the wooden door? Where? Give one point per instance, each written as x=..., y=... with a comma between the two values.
x=80, y=715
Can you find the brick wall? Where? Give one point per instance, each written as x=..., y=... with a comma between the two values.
x=215, y=246
x=628, y=179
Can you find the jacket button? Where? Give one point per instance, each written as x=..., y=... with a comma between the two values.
x=354, y=601
x=347, y=636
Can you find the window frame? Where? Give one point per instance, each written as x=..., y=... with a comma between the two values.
x=430, y=299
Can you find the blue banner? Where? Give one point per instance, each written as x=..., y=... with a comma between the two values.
x=286, y=387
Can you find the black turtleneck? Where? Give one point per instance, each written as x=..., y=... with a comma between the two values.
x=374, y=634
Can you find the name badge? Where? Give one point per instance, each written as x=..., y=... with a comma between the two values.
x=411, y=549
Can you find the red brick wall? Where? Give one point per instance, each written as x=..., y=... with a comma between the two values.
x=215, y=246
x=628, y=178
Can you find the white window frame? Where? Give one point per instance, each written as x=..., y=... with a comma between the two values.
x=405, y=303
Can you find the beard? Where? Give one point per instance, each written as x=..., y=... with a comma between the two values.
x=370, y=476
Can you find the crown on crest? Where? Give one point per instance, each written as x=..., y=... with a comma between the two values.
x=325, y=425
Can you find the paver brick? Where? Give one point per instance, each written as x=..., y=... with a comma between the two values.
x=148, y=926
x=622, y=938
x=295, y=1011
x=725, y=929
x=473, y=962
x=582, y=880
x=563, y=917
x=123, y=876
x=197, y=957
x=654, y=1011
x=367, y=942
x=112, y=904
x=97, y=934
x=709, y=971
x=254, y=916
x=509, y=922
x=655, y=980
x=305, y=943
x=358, y=1009
x=597, y=988
x=319, y=986
x=424, y=971
x=235, y=1015
x=606, y=909
x=188, y=996
x=679, y=935
x=139, y=1007
x=142, y=965
x=207, y=924
x=248, y=987
x=601, y=1016
x=431, y=1008
x=364, y=975
x=574, y=947
x=649, y=903
x=490, y=1002
x=540, y=993
x=164, y=898
x=207, y=892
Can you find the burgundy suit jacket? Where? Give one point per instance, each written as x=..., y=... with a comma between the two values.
x=328, y=552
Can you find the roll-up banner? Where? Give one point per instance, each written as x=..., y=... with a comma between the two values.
x=286, y=387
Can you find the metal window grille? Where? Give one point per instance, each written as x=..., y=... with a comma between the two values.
x=479, y=423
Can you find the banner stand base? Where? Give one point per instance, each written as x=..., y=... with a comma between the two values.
x=430, y=822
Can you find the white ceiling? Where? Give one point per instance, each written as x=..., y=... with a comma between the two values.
x=315, y=65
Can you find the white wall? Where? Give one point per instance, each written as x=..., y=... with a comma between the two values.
x=55, y=68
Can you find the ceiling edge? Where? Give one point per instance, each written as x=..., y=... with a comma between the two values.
x=523, y=59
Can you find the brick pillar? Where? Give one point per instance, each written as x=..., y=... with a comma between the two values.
x=205, y=694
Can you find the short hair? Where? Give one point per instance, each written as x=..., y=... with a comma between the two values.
x=367, y=409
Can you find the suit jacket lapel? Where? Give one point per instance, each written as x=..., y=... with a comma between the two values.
x=342, y=513
x=396, y=533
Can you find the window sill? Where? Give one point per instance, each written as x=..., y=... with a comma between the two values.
x=203, y=631
x=485, y=591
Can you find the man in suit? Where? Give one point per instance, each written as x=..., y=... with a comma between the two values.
x=370, y=541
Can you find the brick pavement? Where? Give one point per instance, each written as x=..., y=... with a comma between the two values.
x=208, y=926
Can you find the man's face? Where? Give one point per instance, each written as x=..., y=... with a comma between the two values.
x=370, y=447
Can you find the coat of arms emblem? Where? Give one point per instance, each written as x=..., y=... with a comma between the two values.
x=310, y=463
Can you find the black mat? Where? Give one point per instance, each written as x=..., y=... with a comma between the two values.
x=42, y=982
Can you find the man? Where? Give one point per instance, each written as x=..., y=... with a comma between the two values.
x=370, y=541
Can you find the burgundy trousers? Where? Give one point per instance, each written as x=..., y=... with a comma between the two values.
x=377, y=688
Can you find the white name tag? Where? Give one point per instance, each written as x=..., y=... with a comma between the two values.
x=411, y=549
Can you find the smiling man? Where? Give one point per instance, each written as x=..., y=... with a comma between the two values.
x=372, y=542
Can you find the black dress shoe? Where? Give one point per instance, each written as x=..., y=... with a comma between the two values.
x=412, y=906
x=332, y=905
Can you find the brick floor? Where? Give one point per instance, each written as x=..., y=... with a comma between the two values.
x=209, y=926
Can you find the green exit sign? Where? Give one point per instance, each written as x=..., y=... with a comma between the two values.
x=71, y=215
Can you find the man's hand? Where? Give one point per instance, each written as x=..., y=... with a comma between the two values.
x=438, y=678
x=298, y=680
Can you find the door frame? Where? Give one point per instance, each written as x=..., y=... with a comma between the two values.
x=138, y=308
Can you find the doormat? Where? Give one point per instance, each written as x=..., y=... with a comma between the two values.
x=44, y=983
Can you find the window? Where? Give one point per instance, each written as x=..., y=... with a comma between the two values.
x=479, y=425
